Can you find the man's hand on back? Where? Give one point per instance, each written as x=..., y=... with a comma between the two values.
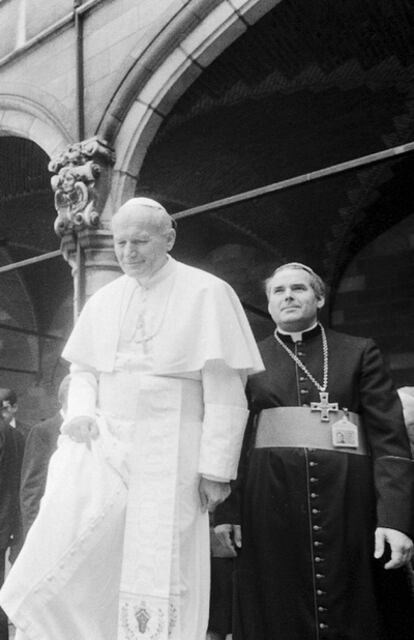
x=212, y=493
x=230, y=536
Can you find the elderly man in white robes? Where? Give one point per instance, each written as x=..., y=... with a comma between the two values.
x=156, y=415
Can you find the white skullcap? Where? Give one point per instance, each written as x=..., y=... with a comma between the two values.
x=135, y=205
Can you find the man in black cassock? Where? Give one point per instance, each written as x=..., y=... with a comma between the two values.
x=325, y=495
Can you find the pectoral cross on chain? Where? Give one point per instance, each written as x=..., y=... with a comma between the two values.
x=324, y=406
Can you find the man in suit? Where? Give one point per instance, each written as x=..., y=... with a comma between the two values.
x=11, y=455
x=9, y=407
x=40, y=444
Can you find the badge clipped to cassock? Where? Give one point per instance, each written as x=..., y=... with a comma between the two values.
x=345, y=432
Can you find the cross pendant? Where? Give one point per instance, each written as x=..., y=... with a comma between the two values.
x=324, y=406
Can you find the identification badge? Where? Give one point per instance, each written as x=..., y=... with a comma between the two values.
x=345, y=434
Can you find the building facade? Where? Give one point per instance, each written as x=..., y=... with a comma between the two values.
x=193, y=102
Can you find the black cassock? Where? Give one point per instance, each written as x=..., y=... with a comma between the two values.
x=306, y=569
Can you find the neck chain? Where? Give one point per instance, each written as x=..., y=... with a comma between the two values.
x=139, y=335
x=321, y=387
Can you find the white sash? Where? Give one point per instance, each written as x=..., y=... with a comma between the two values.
x=147, y=609
x=65, y=585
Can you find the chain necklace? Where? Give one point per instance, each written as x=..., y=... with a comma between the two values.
x=139, y=334
x=321, y=387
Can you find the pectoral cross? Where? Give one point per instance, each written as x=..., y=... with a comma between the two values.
x=324, y=406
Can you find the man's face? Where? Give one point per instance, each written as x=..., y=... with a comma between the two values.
x=139, y=246
x=293, y=304
x=8, y=412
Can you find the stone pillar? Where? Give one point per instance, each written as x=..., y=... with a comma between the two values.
x=81, y=184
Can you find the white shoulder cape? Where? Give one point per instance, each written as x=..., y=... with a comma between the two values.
x=204, y=321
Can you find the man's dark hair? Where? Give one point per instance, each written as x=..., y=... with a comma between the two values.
x=8, y=398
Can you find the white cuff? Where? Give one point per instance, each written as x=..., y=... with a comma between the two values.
x=82, y=395
x=223, y=429
x=214, y=479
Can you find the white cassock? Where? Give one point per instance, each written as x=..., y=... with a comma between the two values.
x=120, y=548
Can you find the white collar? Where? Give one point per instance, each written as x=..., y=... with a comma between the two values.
x=296, y=335
x=158, y=276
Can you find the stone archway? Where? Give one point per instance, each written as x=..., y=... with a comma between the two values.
x=30, y=337
x=176, y=58
x=31, y=118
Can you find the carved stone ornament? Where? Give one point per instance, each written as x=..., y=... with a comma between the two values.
x=80, y=184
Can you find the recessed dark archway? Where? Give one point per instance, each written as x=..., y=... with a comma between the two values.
x=308, y=86
x=32, y=297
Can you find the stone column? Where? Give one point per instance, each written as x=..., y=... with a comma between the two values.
x=81, y=184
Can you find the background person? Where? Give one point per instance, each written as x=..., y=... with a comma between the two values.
x=10, y=408
x=11, y=455
x=40, y=444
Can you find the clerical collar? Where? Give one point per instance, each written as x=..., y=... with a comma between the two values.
x=167, y=269
x=297, y=336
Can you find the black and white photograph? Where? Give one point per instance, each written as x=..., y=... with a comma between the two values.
x=206, y=320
